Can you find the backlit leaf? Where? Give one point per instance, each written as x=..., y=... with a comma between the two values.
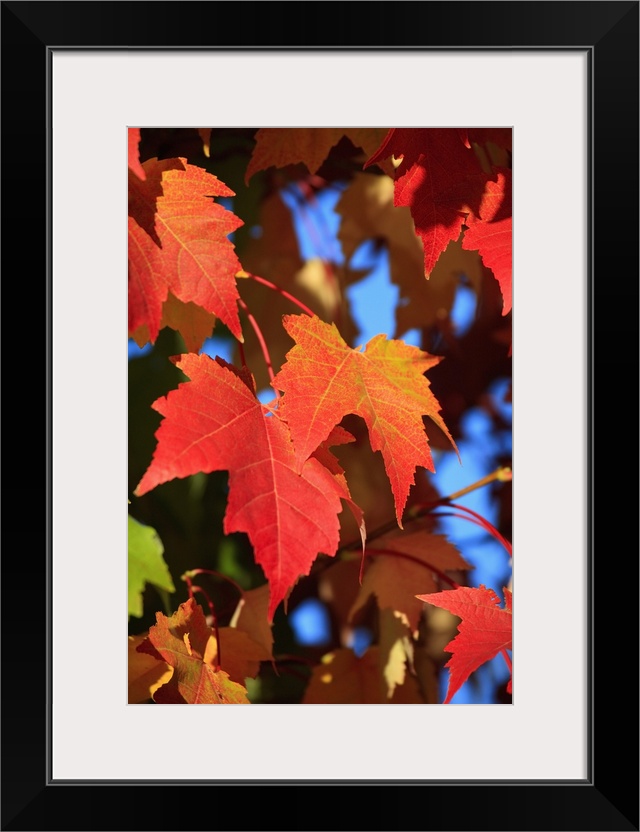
x=485, y=629
x=491, y=233
x=145, y=673
x=182, y=642
x=214, y=422
x=440, y=180
x=324, y=379
x=178, y=241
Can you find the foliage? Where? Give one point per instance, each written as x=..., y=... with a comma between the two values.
x=258, y=415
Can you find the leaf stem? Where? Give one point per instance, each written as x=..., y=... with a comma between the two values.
x=507, y=659
x=261, y=341
x=193, y=572
x=486, y=525
x=282, y=292
x=461, y=517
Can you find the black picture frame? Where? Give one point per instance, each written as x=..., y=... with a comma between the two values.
x=608, y=798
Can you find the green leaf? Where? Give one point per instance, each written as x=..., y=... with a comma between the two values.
x=146, y=564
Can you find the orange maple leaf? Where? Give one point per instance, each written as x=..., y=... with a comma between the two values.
x=324, y=379
x=178, y=241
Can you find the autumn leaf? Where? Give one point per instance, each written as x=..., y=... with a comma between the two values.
x=490, y=233
x=404, y=563
x=282, y=146
x=145, y=673
x=440, y=179
x=324, y=379
x=317, y=284
x=134, y=155
x=178, y=241
x=343, y=678
x=251, y=617
x=214, y=422
x=146, y=564
x=240, y=655
x=395, y=649
x=182, y=641
x=485, y=629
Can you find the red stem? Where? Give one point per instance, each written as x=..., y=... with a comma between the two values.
x=487, y=525
x=242, y=355
x=192, y=572
x=284, y=293
x=261, y=341
x=479, y=520
x=460, y=517
x=506, y=658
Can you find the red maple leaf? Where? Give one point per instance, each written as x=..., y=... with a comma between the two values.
x=490, y=233
x=214, y=422
x=184, y=641
x=485, y=629
x=440, y=179
x=324, y=379
x=178, y=241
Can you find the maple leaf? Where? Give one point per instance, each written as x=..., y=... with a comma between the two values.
x=342, y=678
x=146, y=564
x=145, y=673
x=251, y=617
x=394, y=578
x=485, y=629
x=240, y=655
x=214, y=422
x=324, y=379
x=178, y=241
x=134, y=155
x=491, y=233
x=440, y=179
x=282, y=146
x=183, y=642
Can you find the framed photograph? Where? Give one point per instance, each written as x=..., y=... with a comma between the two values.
x=562, y=77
